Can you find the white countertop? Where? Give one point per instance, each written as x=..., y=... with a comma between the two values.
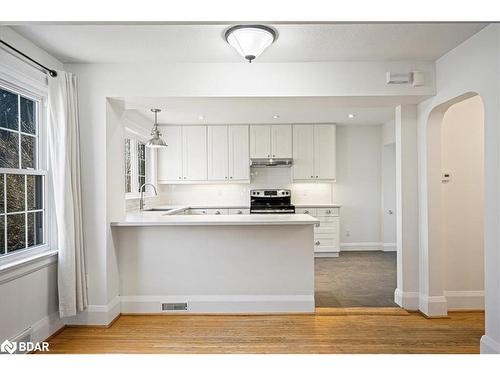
x=177, y=208
x=159, y=218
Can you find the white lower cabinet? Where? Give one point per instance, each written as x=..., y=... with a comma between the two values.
x=327, y=232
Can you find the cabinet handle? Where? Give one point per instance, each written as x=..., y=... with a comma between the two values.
x=317, y=224
x=274, y=156
x=268, y=156
x=203, y=212
x=184, y=177
x=317, y=243
x=329, y=211
x=180, y=178
x=316, y=176
x=240, y=212
x=230, y=177
x=225, y=177
x=306, y=211
x=217, y=212
x=312, y=176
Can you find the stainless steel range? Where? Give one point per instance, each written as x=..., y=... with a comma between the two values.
x=271, y=201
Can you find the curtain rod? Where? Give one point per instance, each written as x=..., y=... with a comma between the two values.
x=50, y=72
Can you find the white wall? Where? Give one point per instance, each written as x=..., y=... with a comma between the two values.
x=358, y=186
x=239, y=194
x=462, y=198
x=28, y=293
x=389, y=197
x=472, y=67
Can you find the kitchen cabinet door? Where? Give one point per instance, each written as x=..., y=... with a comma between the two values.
x=218, y=153
x=239, y=166
x=281, y=141
x=170, y=157
x=324, y=152
x=303, y=152
x=194, y=153
x=260, y=141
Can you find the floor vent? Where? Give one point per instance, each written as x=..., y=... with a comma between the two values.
x=183, y=306
x=23, y=337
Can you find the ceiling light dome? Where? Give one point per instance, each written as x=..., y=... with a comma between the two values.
x=250, y=40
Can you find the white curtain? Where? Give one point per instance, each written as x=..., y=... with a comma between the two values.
x=64, y=157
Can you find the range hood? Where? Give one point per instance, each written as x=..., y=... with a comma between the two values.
x=271, y=162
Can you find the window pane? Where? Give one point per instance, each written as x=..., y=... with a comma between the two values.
x=128, y=166
x=28, y=152
x=9, y=149
x=16, y=232
x=15, y=192
x=28, y=111
x=2, y=234
x=34, y=192
x=8, y=110
x=2, y=208
x=142, y=180
x=35, y=228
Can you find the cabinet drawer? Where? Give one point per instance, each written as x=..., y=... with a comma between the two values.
x=321, y=242
x=332, y=231
x=308, y=211
x=208, y=211
x=239, y=211
x=330, y=211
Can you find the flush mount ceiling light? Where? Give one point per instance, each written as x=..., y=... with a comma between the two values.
x=276, y=116
x=351, y=115
x=156, y=140
x=201, y=117
x=250, y=40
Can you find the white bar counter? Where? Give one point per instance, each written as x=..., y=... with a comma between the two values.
x=160, y=218
x=215, y=263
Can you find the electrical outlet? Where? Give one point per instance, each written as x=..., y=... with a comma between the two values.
x=347, y=232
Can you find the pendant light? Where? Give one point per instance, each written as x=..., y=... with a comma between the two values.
x=250, y=40
x=156, y=140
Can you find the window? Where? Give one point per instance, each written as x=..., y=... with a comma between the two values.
x=22, y=211
x=136, y=166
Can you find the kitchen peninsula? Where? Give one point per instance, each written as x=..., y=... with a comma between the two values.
x=169, y=262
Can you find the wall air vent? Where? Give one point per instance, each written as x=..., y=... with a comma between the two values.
x=182, y=306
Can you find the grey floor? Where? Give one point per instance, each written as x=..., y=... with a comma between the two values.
x=356, y=279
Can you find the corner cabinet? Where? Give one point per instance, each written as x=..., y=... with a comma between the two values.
x=314, y=152
x=185, y=157
x=228, y=153
x=270, y=141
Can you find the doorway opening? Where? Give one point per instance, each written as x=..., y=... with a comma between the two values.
x=455, y=183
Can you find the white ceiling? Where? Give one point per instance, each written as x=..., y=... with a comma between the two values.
x=260, y=110
x=204, y=43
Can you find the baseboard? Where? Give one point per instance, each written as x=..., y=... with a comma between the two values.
x=329, y=254
x=406, y=300
x=433, y=306
x=361, y=246
x=465, y=299
x=489, y=346
x=222, y=304
x=389, y=246
x=99, y=315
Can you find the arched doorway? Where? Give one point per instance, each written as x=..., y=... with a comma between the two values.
x=455, y=213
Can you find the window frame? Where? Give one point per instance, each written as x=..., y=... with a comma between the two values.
x=136, y=136
x=42, y=168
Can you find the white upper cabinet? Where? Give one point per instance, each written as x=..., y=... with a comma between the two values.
x=324, y=152
x=239, y=164
x=218, y=153
x=194, y=153
x=314, y=152
x=281, y=141
x=268, y=141
x=260, y=141
x=303, y=152
x=228, y=153
x=170, y=157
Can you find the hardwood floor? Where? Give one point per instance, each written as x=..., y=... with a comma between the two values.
x=329, y=331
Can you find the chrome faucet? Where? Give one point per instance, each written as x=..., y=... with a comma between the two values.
x=141, y=190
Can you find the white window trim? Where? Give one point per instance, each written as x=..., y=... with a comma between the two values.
x=135, y=135
x=23, y=85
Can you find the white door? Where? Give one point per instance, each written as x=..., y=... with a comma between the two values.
x=170, y=157
x=324, y=152
x=260, y=141
x=239, y=167
x=303, y=152
x=194, y=153
x=218, y=152
x=281, y=138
